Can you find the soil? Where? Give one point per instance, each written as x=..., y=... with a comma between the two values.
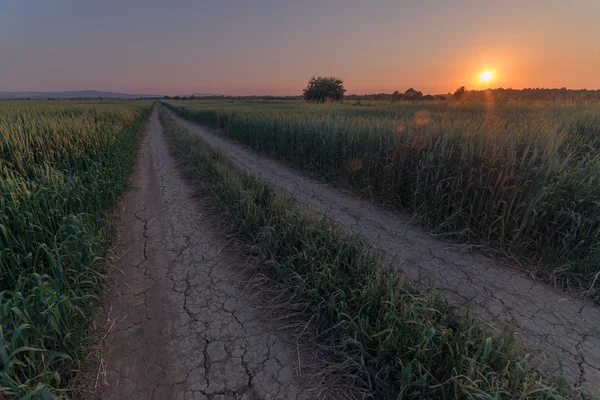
x=551, y=323
x=186, y=326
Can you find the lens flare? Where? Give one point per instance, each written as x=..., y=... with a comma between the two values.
x=422, y=117
x=355, y=164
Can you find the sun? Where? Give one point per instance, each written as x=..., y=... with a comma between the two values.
x=486, y=76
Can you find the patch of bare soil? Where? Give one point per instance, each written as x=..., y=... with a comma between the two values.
x=184, y=322
x=551, y=323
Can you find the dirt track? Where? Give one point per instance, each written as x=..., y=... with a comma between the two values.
x=550, y=322
x=186, y=328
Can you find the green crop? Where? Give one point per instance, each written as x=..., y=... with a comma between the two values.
x=392, y=341
x=523, y=179
x=63, y=166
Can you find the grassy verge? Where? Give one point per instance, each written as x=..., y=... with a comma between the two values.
x=62, y=169
x=521, y=180
x=400, y=343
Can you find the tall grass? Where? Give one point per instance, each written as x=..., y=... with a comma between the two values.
x=61, y=169
x=398, y=343
x=524, y=179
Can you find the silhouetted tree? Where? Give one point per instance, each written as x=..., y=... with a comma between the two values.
x=176, y=98
x=460, y=93
x=412, y=94
x=320, y=90
x=166, y=97
x=396, y=96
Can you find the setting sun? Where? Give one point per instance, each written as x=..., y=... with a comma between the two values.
x=486, y=76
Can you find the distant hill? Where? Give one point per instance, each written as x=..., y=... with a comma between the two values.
x=77, y=94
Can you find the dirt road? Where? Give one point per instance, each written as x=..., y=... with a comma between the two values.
x=550, y=322
x=185, y=327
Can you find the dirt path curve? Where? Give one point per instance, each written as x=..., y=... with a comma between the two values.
x=185, y=326
x=548, y=321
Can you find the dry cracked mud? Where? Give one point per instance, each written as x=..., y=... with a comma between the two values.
x=550, y=323
x=185, y=325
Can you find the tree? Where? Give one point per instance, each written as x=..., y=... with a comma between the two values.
x=460, y=93
x=412, y=94
x=176, y=98
x=396, y=96
x=166, y=97
x=320, y=89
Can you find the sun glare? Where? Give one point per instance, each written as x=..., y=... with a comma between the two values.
x=486, y=76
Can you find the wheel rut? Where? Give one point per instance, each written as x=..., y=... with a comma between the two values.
x=550, y=323
x=185, y=327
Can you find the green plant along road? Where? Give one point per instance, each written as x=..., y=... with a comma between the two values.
x=188, y=322
x=400, y=343
x=62, y=166
x=554, y=323
x=523, y=179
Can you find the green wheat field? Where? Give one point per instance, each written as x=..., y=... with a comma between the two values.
x=63, y=165
x=519, y=180
x=522, y=179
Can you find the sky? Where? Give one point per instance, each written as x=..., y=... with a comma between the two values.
x=273, y=47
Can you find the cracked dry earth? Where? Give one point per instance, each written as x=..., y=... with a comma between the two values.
x=186, y=326
x=550, y=323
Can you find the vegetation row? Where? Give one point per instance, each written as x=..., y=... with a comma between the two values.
x=394, y=341
x=521, y=179
x=62, y=168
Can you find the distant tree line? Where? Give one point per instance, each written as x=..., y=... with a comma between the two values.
x=192, y=97
x=529, y=94
x=233, y=98
x=332, y=89
x=410, y=94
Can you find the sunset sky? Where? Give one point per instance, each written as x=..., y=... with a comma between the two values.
x=275, y=46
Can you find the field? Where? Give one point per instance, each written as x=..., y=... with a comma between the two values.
x=63, y=164
x=521, y=180
x=394, y=341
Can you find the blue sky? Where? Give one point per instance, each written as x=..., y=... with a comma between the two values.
x=267, y=46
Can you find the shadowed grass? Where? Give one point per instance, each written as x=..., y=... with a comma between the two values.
x=399, y=343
